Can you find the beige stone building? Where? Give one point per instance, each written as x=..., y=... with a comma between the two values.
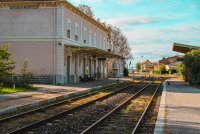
x=60, y=42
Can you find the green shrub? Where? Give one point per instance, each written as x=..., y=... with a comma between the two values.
x=25, y=75
x=170, y=71
x=138, y=67
x=192, y=62
x=156, y=71
x=181, y=71
x=126, y=71
x=163, y=69
x=7, y=65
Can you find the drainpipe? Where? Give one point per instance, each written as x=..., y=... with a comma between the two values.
x=54, y=43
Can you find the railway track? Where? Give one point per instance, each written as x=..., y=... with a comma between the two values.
x=148, y=122
x=10, y=116
x=127, y=117
x=21, y=122
x=72, y=120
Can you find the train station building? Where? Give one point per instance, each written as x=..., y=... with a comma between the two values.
x=61, y=43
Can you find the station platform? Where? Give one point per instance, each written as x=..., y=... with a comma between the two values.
x=50, y=93
x=179, y=111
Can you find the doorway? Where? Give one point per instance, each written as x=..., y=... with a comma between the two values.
x=95, y=67
x=84, y=64
x=90, y=68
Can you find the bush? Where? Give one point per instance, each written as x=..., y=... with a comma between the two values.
x=126, y=71
x=192, y=62
x=170, y=71
x=138, y=67
x=156, y=71
x=25, y=75
x=163, y=69
x=7, y=66
x=181, y=71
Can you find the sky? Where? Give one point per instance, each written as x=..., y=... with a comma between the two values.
x=151, y=26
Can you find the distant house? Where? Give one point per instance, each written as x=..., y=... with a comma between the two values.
x=171, y=63
x=170, y=60
x=147, y=66
x=156, y=66
x=173, y=66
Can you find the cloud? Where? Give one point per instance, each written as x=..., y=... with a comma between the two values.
x=133, y=20
x=113, y=1
x=128, y=1
x=183, y=33
x=87, y=1
x=155, y=43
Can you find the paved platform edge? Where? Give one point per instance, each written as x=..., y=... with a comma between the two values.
x=160, y=123
x=50, y=100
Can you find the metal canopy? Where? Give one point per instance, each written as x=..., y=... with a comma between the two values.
x=184, y=48
x=95, y=52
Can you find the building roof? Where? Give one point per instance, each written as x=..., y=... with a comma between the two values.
x=92, y=51
x=54, y=3
x=146, y=62
x=183, y=48
x=172, y=59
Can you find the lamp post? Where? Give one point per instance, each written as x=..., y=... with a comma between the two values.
x=130, y=64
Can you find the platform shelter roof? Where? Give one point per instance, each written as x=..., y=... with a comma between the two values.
x=93, y=51
x=183, y=48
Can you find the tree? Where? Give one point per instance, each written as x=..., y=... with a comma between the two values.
x=126, y=71
x=25, y=75
x=162, y=69
x=163, y=58
x=181, y=71
x=192, y=62
x=7, y=65
x=118, y=43
x=86, y=9
x=138, y=66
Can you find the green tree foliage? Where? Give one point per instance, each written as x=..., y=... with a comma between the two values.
x=181, y=71
x=162, y=69
x=156, y=71
x=138, y=66
x=7, y=65
x=192, y=62
x=25, y=75
x=126, y=71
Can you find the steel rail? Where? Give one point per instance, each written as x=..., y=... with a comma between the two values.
x=37, y=123
x=107, y=115
x=56, y=104
x=146, y=110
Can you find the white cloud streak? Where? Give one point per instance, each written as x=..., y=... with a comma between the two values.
x=133, y=20
x=128, y=1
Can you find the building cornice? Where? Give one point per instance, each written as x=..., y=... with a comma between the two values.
x=42, y=39
x=65, y=4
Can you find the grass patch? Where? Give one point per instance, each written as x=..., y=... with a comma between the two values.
x=9, y=90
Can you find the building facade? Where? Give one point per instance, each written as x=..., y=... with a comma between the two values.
x=116, y=68
x=147, y=66
x=60, y=42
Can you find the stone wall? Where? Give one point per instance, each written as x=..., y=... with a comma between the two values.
x=37, y=79
x=42, y=79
